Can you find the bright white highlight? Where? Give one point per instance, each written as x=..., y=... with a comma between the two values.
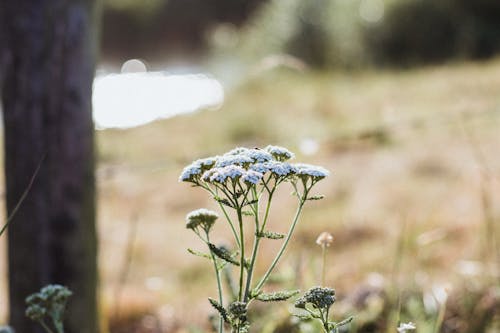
x=134, y=99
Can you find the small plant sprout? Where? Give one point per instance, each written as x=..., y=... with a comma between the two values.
x=316, y=304
x=49, y=302
x=324, y=240
x=244, y=182
x=6, y=329
x=405, y=327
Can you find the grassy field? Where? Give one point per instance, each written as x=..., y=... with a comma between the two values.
x=412, y=201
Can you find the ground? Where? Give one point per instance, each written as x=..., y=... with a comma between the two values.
x=411, y=201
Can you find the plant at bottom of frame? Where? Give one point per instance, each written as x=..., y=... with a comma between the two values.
x=243, y=182
x=6, y=329
x=49, y=303
x=316, y=304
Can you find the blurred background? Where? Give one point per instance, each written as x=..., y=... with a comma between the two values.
x=399, y=99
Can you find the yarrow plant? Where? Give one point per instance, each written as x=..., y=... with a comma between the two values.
x=316, y=304
x=243, y=182
x=49, y=302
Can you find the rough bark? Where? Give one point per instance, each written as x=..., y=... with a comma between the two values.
x=46, y=83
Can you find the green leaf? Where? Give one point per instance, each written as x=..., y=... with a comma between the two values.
x=251, y=202
x=247, y=213
x=276, y=296
x=316, y=197
x=269, y=235
x=344, y=322
x=223, y=201
x=303, y=316
x=223, y=254
x=217, y=306
x=199, y=254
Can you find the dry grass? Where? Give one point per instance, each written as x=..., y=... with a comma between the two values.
x=403, y=202
x=403, y=169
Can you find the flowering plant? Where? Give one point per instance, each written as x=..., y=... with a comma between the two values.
x=243, y=182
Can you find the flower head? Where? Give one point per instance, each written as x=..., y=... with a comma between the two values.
x=252, y=177
x=279, y=169
x=221, y=174
x=313, y=171
x=201, y=218
x=50, y=300
x=259, y=155
x=238, y=159
x=280, y=153
x=325, y=239
x=319, y=297
x=191, y=172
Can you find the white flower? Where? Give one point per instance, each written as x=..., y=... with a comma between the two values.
x=237, y=151
x=220, y=175
x=260, y=167
x=403, y=327
x=311, y=170
x=258, y=155
x=282, y=169
x=189, y=172
x=278, y=168
x=204, y=217
x=207, y=162
x=239, y=159
x=197, y=168
x=280, y=153
x=252, y=177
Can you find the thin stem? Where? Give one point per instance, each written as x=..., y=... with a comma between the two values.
x=256, y=244
x=45, y=326
x=285, y=243
x=219, y=285
x=323, y=269
x=242, y=255
x=23, y=196
x=440, y=317
x=226, y=215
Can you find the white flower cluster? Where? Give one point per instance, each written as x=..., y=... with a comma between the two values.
x=252, y=177
x=275, y=167
x=309, y=170
x=221, y=174
x=196, y=168
x=280, y=153
x=249, y=165
x=201, y=217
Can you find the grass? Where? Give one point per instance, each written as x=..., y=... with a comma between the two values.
x=398, y=153
x=395, y=142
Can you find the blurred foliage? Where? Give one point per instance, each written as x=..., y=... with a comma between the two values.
x=160, y=29
x=426, y=31
x=357, y=33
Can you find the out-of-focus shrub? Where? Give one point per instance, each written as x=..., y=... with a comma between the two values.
x=426, y=31
x=415, y=32
x=357, y=33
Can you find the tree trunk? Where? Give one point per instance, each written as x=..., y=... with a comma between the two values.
x=46, y=85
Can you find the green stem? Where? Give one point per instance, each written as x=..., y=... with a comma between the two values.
x=242, y=254
x=219, y=286
x=226, y=215
x=45, y=326
x=440, y=317
x=256, y=243
x=285, y=243
x=323, y=269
